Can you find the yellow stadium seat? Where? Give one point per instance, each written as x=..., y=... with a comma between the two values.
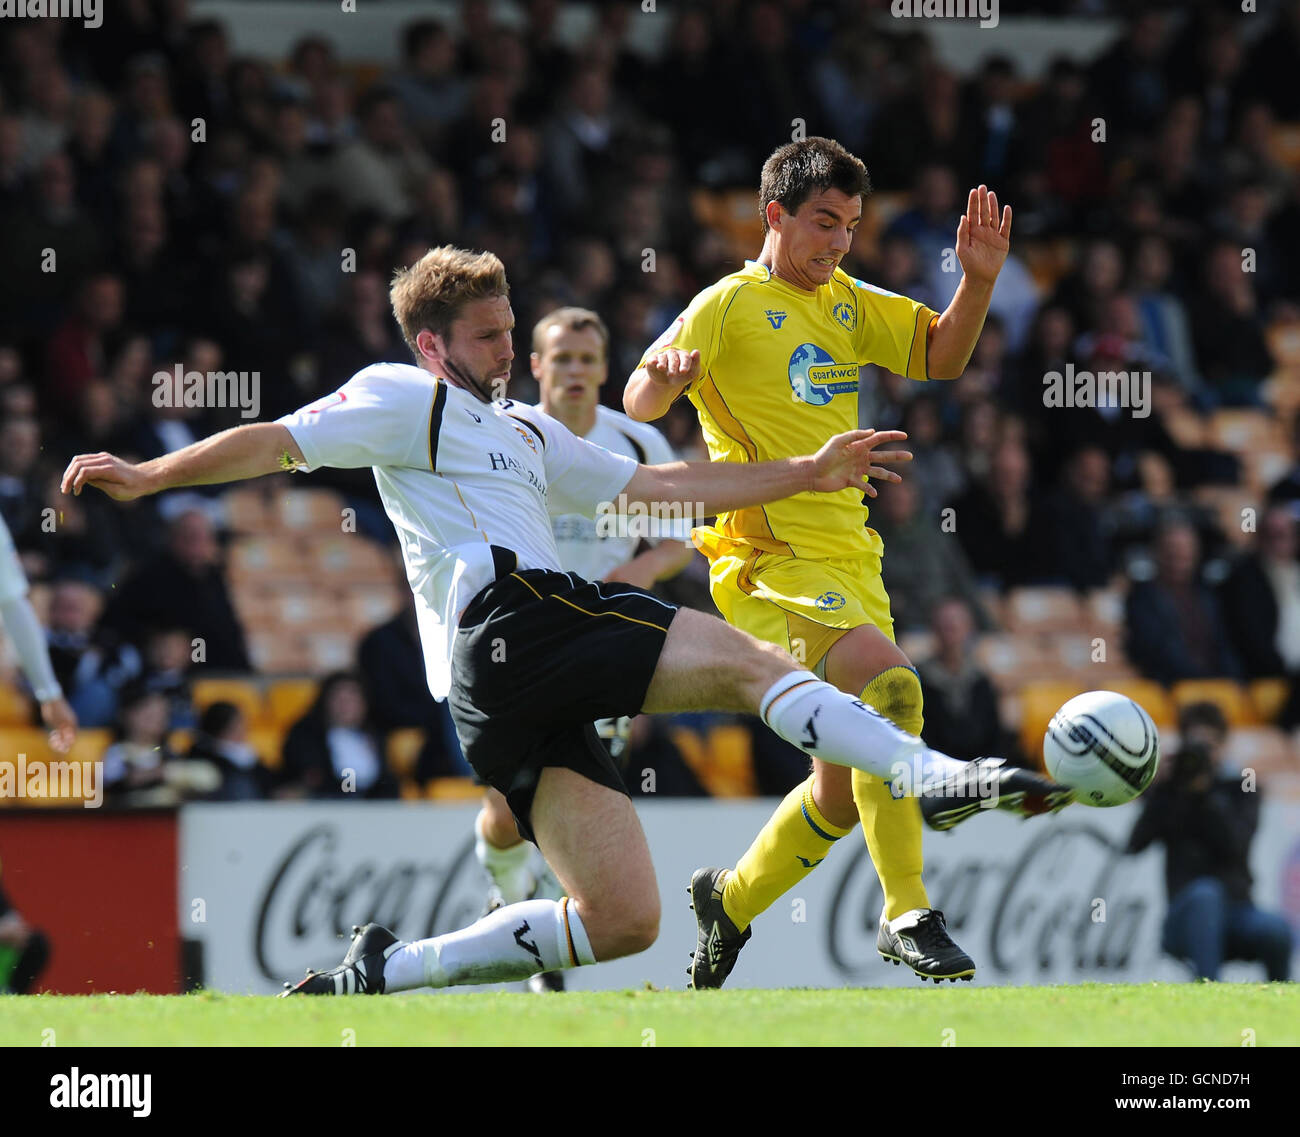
x=1227, y=694
x=1151, y=697
x=1044, y=610
x=247, y=510
x=1269, y=697
x=1038, y=703
x=261, y=558
x=402, y=749
x=314, y=509
x=331, y=651
x=244, y=693
x=280, y=652
x=15, y=707
x=33, y=744
x=268, y=741
x=287, y=700
x=453, y=789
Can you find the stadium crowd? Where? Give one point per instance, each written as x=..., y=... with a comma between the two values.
x=216, y=213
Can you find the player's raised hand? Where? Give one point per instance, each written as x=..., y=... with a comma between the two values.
x=848, y=459
x=983, y=239
x=122, y=481
x=673, y=367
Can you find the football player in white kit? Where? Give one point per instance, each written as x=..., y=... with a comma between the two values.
x=531, y=656
x=570, y=363
x=33, y=651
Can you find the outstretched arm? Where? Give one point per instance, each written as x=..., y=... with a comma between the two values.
x=846, y=461
x=231, y=456
x=983, y=241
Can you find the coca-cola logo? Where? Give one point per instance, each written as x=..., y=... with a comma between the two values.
x=1065, y=903
x=314, y=894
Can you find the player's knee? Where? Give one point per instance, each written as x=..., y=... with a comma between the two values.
x=896, y=694
x=497, y=824
x=616, y=931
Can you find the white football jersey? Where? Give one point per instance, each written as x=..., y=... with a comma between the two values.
x=591, y=549
x=456, y=477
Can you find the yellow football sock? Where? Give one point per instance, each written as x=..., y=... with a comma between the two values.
x=892, y=826
x=793, y=842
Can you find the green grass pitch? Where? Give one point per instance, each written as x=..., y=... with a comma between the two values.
x=1204, y=1014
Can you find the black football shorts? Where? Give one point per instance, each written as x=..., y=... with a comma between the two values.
x=539, y=656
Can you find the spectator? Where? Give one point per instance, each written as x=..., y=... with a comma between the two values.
x=91, y=664
x=1206, y=823
x=383, y=169
x=1261, y=599
x=185, y=586
x=362, y=331
x=430, y=91
x=166, y=666
x=961, y=705
x=137, y=766
x=52, y=219
x=392, y=669
x=1228, y=331
x=1075, y=526
x=1173, y=624
x=999, y=523
x=334, y=751
x=222, y=741
x=20, y=447
x=923, y=561
x=80, y=347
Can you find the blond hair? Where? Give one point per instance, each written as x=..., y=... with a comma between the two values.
x=431, y=293
x=575, y=320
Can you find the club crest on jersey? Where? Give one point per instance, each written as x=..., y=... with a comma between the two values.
x=527, y=437
x=815, y=378
x=830, y=602
x=669, y=334
x=775, y=317
x=846, y=314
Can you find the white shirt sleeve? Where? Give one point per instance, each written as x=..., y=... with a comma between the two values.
x=657, y=453
x=13, y=581
x=376, y=418
x=580, y=476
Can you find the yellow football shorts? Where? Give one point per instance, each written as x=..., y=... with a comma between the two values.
x=801, y=605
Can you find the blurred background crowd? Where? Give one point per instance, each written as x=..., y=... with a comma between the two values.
x=223, y=211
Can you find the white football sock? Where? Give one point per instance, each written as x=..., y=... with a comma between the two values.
x=838, y=728
x=508, y=868
x=511, y=943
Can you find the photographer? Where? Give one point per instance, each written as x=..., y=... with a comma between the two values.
x=1207, y=823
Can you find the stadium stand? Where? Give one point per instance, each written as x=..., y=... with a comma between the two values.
x=223, y=255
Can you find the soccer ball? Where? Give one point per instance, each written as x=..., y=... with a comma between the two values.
x=1104, y=746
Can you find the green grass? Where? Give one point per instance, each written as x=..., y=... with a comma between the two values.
x=1089, y=1014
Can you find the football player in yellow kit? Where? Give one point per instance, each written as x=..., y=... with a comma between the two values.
x=769, y=357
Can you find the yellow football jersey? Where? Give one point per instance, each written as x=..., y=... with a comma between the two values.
x=778, y=378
